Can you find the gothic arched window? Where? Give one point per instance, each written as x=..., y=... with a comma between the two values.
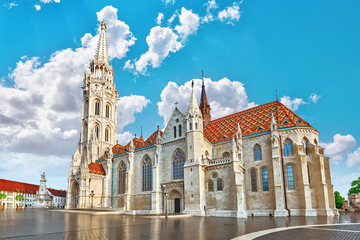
x=190, y=126
x=122, y=177
x=107, y=111
x=265, y=179
x=97, y=107
x=107, y=134
x=97, y=131
x=196, y=125
x=174, y=131
x=290, y=177
x=178, y=164
x=288, y=148
x=179, y=130
x=210, y=186
x=257, y=152
x=147, y=174
x=253, y=180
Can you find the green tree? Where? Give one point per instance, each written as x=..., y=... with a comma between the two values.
x=19, y=198
x=2, y=196
x=355, y=186
x=338, y=199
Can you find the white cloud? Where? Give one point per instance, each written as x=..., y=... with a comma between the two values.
x=225, y=97
x=314, y=97
x=167, y=2
x=49, y=1
x=159, y=18
x=40, y=116
x=342, y=182
x=292, y=104
x=353, y=159
x=127, y=107
x=161, y=41
x=37, y=7
x=124, y=138
x=189, y=23
x=342, y=145
x=172, y=18
x=210, y=5
x=11, y=5
x=230, y=14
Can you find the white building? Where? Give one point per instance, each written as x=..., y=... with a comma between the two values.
x=262, y=161
x=12, y=189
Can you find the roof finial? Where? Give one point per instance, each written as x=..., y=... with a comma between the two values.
x=192, y=83
x=141, y=131
x=158, y=127
x=277, y=99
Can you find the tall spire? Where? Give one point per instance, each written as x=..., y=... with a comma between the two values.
x=102, y=51
x=193, y=105
x=204, y=106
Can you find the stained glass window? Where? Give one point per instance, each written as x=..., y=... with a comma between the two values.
x=257, y=153
x=122, y=177
x=147, y=174
x=290, y=177
x=178, y=164
x=219, y=185
x=265, y=179
x=253, y=181
x=288, y=148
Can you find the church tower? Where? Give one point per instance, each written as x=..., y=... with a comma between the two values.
x=204, y=106
x=194, y=186
x=98, y=131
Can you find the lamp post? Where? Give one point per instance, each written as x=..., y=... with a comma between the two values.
x=92, y=194
x=166, y=205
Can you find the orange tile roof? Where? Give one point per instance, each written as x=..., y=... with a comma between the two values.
x=252, y=121
x=58, y=193
x=12, y=186
x=96, y=168
x=138, y=143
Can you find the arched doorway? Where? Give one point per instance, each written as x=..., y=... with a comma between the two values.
x=175, y=201
x=75, y=189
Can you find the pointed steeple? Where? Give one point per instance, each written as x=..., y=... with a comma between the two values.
x=102, y=51
x=204, y=106
x=193, y=105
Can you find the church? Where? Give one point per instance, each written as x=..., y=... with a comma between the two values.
x=263, y=161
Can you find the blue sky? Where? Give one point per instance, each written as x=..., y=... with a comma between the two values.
x=300, y=49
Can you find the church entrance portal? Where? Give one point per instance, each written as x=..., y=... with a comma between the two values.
x=177, y=205
x=75, y=195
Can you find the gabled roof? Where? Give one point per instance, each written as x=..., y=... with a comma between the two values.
x=138, y=143
x=12, y=186
x=252, y=121
x=96, y=168
x=57, y=193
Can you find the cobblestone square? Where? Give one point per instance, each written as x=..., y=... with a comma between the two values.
x=45, y=224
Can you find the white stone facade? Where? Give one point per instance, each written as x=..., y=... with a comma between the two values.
x=216, y=178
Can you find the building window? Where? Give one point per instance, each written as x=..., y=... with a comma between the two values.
x=265, y=179
x=190, y=126
x=96, y=131
x=107, y=111
x=290, y=177
x=305, y=145
x=219, y=185
x=287, y=148
x=210, y=186
x=253, y=181
x=147, y=174
x=178, y=164
x=257, y=152
x=174, y=131
x=97, y=107
x=195, y=125
x=179, y=130
x=122, y=177
x=107, y=134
